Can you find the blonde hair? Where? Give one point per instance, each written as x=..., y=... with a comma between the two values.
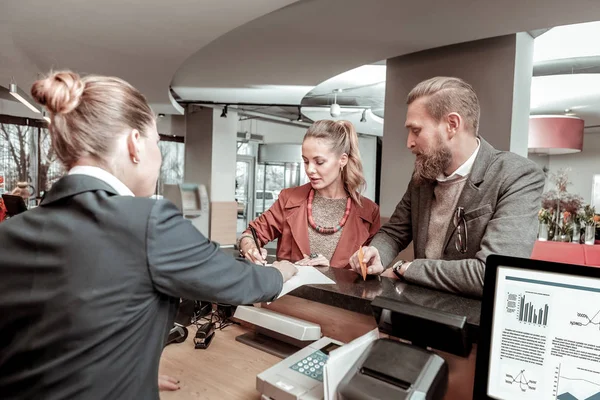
x=87, y=114
x=446, y=95
x=343, y=139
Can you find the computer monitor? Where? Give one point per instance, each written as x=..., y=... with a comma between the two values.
x=539, y=335
x=14, y=204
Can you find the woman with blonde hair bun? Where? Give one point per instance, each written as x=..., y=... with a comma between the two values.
x=90, y=281
x=325, y=221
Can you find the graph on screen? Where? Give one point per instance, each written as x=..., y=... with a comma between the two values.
x=527, y=310
x=584, y=320
x=576, y=383
x=520, y=380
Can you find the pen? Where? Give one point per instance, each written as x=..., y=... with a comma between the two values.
x=256, y=240
x=363, y=266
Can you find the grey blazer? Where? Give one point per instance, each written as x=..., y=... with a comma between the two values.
x=501, y=199
x=89, y=287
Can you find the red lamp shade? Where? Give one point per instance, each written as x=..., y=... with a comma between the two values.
x=555, y=134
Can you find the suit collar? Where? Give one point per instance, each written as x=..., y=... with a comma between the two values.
x=103, y=175
x=71, y=185
x=482, y=162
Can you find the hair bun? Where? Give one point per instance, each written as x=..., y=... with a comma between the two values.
x=60, y=92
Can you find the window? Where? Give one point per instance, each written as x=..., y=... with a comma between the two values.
x=173, y=158
x=26, y=155
x=50, y=169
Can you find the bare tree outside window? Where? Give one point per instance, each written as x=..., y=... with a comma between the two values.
x=50, y=169
x=27, y=155
x=15, y=148
x=171, y=170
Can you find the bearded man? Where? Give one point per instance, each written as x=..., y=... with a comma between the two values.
x=465, y=201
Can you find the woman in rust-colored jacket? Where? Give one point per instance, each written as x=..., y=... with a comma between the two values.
x=325, y=221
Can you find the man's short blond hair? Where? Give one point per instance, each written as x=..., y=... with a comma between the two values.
x=446, y=95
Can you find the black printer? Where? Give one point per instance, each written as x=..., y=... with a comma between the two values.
x=392, y=369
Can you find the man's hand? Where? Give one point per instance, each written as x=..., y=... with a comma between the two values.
x=166, y=383
x=318, y=261
x=371, y=258
x=286, y=268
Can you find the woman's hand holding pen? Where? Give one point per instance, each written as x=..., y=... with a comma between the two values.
x=253, y=253
x=257, y=256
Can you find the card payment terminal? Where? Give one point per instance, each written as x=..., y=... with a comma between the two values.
x=300, y=376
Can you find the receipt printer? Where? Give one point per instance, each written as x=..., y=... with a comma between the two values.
x=300, y=376
x=390, y=369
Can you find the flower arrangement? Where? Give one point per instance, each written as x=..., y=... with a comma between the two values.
x=566, y=228
x=564, y=201
x=559, y=202
x=587, y=215
x=545, y=216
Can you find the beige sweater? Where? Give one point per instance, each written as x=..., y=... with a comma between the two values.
x=445, y=199
x=326, y=212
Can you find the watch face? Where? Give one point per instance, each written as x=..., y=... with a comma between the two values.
x=396, y=269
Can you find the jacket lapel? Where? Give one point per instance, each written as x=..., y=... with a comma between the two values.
x=297, y=219
x=470, y=192
x=354, y=233
x=424, y=212
x=71, y=185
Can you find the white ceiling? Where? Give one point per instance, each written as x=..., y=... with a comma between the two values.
x=271, y=51
x=142, y=41
x=580, y=93
x=312, y=40
x=579, y=40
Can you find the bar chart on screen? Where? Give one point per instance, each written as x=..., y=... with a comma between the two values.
x=528, y=308
x=576, y=383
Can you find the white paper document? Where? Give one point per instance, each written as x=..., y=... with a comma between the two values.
x=341, y=360
x=306, y=275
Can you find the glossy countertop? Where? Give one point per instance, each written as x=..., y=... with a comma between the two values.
x=351, y=292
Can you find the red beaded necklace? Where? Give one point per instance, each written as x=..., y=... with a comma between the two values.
x=323, y=229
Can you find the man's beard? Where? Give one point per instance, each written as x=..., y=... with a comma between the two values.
x=430, y=165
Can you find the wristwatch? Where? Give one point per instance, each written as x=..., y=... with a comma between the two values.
x=396, y=268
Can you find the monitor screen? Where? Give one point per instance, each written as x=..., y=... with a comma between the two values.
x=189, y=198
x=544, y=338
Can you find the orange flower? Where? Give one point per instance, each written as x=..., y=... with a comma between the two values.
x=597, y=218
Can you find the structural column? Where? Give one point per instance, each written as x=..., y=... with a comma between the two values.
x=210, y=159
x=499, y=69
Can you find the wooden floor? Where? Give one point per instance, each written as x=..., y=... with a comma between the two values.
x=226, y=370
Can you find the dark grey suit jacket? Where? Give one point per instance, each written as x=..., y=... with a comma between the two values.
x=89, y=286
x=501, y=199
